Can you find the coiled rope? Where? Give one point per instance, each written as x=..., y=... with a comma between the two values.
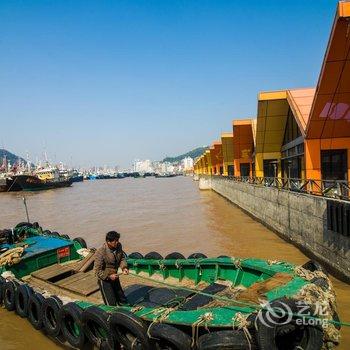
x=11, y=256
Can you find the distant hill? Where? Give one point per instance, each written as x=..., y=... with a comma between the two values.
x=193, y=154
x=13, y=158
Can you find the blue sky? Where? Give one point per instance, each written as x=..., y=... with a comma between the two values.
x=104, y=82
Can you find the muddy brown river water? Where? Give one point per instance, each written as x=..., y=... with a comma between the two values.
x=165, y=215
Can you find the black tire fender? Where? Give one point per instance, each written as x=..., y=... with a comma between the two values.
x=64, y=236
x=313, y=266
x=81, y=242
x=170, y=337
x=50, y=311
x=95, y=326
x=276, y=332
x=129, y=330
x=197, y=256
x=23, y=292
x=135, y=255
x=55, y=234
x=47, y=233
x=35, y=313
x=70, y=319
x=228, y=339
x=2, y=284
x=153, y=255
x=9, y=295
x=35, y=225
x=22, y=224
x=175, y=255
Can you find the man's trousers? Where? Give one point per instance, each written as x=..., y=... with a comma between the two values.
x=112, y=292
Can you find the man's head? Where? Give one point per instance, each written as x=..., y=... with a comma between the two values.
x=112, y=239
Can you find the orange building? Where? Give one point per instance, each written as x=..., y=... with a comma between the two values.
x=327, y=144
x=216, y=158
x=243, y=147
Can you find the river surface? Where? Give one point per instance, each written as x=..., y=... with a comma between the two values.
x=164, y=215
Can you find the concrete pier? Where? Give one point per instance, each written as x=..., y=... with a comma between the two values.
x=204, y=183
x=298, y=218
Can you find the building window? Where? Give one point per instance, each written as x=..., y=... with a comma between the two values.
x=292, y=129
x=334, y=164
x=245, y=169
x=270, y=168
x=291, y=168
x=230, y=170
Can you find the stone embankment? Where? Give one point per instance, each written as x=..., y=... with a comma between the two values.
x=298, y=218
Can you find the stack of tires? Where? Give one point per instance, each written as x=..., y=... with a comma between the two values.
x=48, y=233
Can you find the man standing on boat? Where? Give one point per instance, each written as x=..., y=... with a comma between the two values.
x=108, y=259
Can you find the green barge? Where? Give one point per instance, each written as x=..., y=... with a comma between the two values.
x=173, y=302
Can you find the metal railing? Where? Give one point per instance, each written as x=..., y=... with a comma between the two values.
x=339, y=189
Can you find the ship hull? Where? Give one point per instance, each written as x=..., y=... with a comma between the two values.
x=11, y=185
x=3, y=186
x=33, y=183
x=77, y=178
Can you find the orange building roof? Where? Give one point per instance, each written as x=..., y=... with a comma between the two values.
x=330, y=112
x=300, y=102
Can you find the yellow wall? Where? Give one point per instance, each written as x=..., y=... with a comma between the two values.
x=208, y=167
x=259, y=162
x=227, y=151
x=271, y=120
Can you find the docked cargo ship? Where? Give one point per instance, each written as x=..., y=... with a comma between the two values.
x=43, y=179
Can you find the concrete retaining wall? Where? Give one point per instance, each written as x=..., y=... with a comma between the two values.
x=298, y=218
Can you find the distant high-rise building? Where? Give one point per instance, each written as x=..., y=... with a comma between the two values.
x=142, y=166
x=187, y=164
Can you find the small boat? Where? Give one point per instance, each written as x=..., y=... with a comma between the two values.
x=77, y=176
x=91, y=176
x=163, y=175
x=173, y=302
x=43, y=179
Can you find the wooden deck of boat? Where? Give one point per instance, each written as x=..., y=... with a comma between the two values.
x=66, y=280
x=77, y=281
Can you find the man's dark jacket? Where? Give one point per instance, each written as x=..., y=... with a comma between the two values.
x=107, y=261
